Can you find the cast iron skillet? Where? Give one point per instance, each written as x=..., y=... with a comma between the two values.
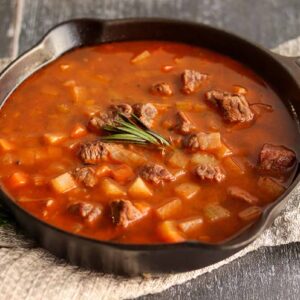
x=282, y=73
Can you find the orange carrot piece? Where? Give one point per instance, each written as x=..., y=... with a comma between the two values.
x=103, y=171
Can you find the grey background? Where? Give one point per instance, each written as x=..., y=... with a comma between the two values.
x=269, y=273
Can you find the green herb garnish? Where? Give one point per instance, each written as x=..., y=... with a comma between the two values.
x=132, y=130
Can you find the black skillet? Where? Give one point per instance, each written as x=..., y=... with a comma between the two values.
x=282, y=73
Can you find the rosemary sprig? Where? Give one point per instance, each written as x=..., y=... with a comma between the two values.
x=132, y=130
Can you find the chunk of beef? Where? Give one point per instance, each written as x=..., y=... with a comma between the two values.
x=145, y=112
x=161, y=89
x=192, y=80
x=234, y=107
x=123, y=212
x=93, y=152
x=87, y=211
x=85, y=175
x=191, y=142
x=240, y=194
x=156, y=173
x=109, y=117
x=276, y=159
x=183, y=124
x=210, y=172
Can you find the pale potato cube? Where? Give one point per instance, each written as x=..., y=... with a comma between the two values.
x=169, y=233
x=178, y=160
x=215, y=212
x=139, y=189
x=112, y=189
x=191, y=224
x=250, y=213
x=203, y=159
x=169, y=209
x=5, y=145
x=187, y=190
x=54, y=138
x=63, y=183
x=209, y=141
x=270, y=187
x=123, y=155
x=140, y=57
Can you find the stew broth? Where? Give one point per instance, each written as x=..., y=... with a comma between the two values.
x=243, y=158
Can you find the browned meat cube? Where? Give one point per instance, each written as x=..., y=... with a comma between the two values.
x=234, y=107
x=183, y=124
x=156, y=173
x=161, y=89
x=87, y=211
x=93, y=152
x=191, y=142
x=123, y=212
x=210, y=172
x=145, y=112
x=85, y=175
x=123, y=108
x=276, y=159
x=240, y=194
x=192, y=80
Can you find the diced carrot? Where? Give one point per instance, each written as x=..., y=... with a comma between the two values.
x=169, y=209
x=54, y=138
x=78, y=131
x=140, y=57
x=167, y=68
x=18, y=179
x=5, y=145
x=139, y=189
x=169, y=233
x=103, y=170
x=122, y=173
x=63, y=183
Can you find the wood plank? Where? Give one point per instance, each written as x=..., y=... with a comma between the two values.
x=8, y=13
x=264, y=24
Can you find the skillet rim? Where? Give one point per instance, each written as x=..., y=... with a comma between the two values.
x=237, y=241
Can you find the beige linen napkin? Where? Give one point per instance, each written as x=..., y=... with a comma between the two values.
x=29, y=272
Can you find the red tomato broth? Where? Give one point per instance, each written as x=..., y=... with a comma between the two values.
x=45, y=103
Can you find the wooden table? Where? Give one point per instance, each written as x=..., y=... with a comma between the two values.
x=269, y=273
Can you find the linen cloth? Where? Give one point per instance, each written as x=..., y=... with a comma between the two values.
x=29, y=272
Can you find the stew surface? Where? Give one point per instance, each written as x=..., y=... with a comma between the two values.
x=146, y=142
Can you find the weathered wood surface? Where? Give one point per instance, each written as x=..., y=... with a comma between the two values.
x=269, y=273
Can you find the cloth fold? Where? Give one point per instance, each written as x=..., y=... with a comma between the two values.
x=29, y=272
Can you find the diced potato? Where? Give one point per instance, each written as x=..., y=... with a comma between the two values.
x=169, y=233
x=169, y=209
x=209, y=141
x=190, y=225
x=112, y=189
x=187, y=190
x=203, y=158
x=215, y=212
x=80, y=93
x=139, y=189
x=140, y=57
x=18, y=179
x=63, y=183
x=250, y=213
x=39, y=180
x=223, y=151
x=54, y=138
x=237, y=89
x=270, y=187
x=78, y=131
x=232, y=166
x=184, y=105
x=178, y=160
x=122, y=173
x=5, y=145
x=143, y=207
x=123, y=155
